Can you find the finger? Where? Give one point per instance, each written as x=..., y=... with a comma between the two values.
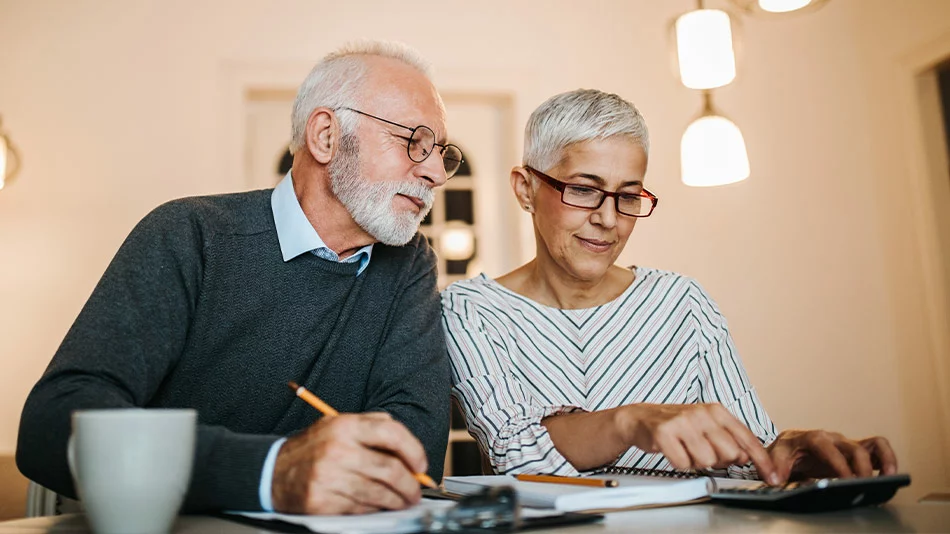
x=859, y=457
x=826, y=451
x=389, y=472
x=368, y=491
x=382, y=416
x=882, y=454
x=782, y=455
x=392, y=436
x=728, y=451
x=699, y=449
x=759, y=457
x=674, y=451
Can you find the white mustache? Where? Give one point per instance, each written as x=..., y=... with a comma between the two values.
x=413, y=189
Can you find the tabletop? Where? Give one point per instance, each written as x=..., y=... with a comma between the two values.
x=921, y=517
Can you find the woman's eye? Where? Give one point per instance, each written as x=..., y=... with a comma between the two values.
x=583, y=191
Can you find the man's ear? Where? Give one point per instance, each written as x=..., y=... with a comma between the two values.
x=524, y=191
x=323, y=133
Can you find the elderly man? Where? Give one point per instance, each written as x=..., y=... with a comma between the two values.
x=215, y=302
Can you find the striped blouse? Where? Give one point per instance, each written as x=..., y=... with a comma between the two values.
x=515, y=362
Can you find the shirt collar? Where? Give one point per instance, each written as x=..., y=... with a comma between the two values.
x=294, y=231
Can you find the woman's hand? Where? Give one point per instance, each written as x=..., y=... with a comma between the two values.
x=818, y=453
x=695, y=436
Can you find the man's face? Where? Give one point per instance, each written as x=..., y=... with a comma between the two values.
x=387, y=193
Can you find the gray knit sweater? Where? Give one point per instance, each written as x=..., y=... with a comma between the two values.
x=199, y=310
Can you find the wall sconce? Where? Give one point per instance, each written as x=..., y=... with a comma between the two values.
x=9, y=158
x=457, y=242
x=712, y=151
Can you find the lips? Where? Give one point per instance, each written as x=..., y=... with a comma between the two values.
x=417, y=201
x=596, y=245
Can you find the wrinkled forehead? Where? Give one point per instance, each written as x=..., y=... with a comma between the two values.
x=401, y=93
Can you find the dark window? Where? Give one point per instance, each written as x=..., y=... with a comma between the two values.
x=459, y=206
x=286, y=162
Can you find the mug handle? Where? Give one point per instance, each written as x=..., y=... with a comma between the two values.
x=71, y=457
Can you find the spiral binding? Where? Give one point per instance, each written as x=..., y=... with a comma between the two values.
x=641, y=471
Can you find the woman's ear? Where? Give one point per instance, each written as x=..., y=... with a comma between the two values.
x=523, y=189
x=323, y=132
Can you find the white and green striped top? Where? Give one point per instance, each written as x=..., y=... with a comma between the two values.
x=515, y=361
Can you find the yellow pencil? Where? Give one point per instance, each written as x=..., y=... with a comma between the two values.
x=577, y=481
x=328, y=411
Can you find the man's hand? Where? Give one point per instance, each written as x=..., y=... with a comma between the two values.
x=349, y=464
x=695, y=436
x=817, y=453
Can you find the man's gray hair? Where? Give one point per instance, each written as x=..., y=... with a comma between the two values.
x=575, y=117
x=336, y=81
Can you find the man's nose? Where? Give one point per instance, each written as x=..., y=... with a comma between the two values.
x=432, y=170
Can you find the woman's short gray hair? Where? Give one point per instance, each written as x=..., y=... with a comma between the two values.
x=575, y=117
x=336, y=81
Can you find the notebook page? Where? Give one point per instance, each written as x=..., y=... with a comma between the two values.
x=571, y=498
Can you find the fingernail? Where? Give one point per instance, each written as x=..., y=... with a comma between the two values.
x=774, y=479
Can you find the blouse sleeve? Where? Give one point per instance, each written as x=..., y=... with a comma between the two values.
x=723, y=379
x=500, y=413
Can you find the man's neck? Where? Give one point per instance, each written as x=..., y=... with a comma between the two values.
x=328, y=216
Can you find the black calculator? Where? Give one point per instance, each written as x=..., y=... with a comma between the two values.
x=821, y=495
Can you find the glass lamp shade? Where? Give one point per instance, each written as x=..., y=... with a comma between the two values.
x=704, y=49
x=782, y=6
x=713, y=152
x=457, y=243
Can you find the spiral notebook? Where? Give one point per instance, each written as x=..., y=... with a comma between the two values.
x=634, y=475
x=634, y=491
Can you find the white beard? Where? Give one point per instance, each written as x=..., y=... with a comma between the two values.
x=370, y=203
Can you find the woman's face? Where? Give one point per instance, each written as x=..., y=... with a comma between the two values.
x=586, y=242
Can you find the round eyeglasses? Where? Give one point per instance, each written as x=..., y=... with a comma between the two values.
x=421, y=143
x=588, y=197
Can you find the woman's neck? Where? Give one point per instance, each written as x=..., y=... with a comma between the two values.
x=552, y=286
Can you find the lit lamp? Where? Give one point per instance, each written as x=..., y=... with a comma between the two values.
x=457, y=242
x=713, y=151
x=704, y=48
x=9, y=158
x=767, y=7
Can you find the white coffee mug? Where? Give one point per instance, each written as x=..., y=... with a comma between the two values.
x=132, y=466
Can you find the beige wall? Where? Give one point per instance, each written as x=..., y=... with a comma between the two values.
x=117, y=106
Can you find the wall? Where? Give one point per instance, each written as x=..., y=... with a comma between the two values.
x=116, y=107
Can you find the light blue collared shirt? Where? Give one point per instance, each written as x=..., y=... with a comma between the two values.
x=297, y=236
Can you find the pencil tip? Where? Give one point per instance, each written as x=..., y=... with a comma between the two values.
x=293, y=385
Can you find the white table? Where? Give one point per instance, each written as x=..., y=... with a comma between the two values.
x=697, y=518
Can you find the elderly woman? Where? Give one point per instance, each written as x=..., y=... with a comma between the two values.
x=571, y=363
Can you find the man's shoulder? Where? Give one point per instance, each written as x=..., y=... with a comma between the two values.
x=415, y=255
x=236, y=213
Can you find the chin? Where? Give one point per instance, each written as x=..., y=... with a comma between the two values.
x=590, y=271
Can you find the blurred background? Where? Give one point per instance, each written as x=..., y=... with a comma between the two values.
x=831, y=261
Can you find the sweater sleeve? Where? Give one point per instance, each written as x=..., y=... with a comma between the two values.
x=502, y=415
x=410, y=375
x=126, y=340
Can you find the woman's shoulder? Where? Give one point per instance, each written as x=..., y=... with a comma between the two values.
x=482, y=296
x=650, y=275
